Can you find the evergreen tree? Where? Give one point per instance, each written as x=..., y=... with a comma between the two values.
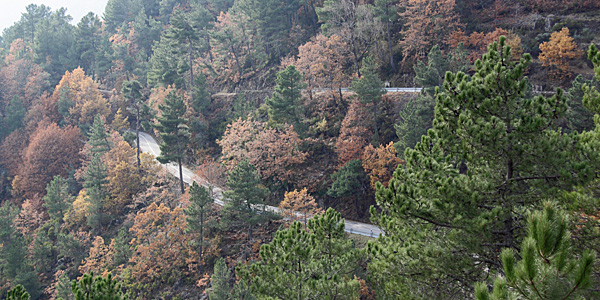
x=95, y=185
x=14, y=263
x=350, y=180
x=131, y=90
x=13, y=119
x=195, y=213
x=220, y=281
x=92, y=287
x=462, y=193
x=547, y=269
x=18, y=293
x=313, y=263
x=245, y=199
x=98, y=139
x=173, y=131
x=369, y=89
x=200, y=95
x=58, y=199
x=87, y=43
x=285, y=106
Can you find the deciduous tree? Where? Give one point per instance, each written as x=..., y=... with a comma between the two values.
x=557, y=52
x=379, y=163
x=51, y=151
x=299, y=205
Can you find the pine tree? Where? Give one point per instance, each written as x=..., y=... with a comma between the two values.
x=173, y=131
x=462, y=193
x=195, y=213
x=547, y=269
x=92, y=287
x=95, y=185
x=245, y=199
x=58, y=199
x=220, y=281
x=18, y=293
x=98, y=137
x=13, y=119
x=350, y=180
x=14, y=263
x=369, y=89
x=285, y=106
x=312, y=263
x=131, y=90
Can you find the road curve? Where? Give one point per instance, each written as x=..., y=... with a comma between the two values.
x=149, y=145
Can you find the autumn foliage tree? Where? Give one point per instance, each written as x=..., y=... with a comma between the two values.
x=299, y=202
x=80, y=96
x=427, y=23
x=163, y=250
x=557, y=52
x=52, y=151
x=274, y=152
x=379, y=163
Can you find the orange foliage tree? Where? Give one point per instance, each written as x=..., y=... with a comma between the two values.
x=557, y=52
x=355, y=134
x=99, y=259
x=324, y=61
x=427, y=23
x=51, y=151
x=299, y=201
x=164, y=252
x=81, y=92
x=379, y=163
x=274, y=152
x=477, y=42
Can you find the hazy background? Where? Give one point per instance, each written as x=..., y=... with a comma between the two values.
x=12, y=9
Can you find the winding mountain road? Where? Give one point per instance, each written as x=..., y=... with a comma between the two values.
x=149, y=145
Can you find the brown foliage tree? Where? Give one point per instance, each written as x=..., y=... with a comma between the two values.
x=274, y=152
x=299, y=202
x=379, y=163
x=427, y=23
x=163, y=250
x=51, y=151
x=557, y=52
x=99, y=258
x=83, y=92
x=324, y=61
x=355, y=134
x=11, y=152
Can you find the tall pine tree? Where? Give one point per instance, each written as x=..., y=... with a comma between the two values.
x=492, y=153
x=245, y=205
x=285, y=106
x=196, y=212
x=369, y=89
x=173, y=131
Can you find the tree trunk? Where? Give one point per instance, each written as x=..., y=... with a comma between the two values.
x=210, y=56
x=376, y=137
x=191, y=66
x=137, y=133
x=355, y=57
x=389, y=36
x=201, y=227
x=181, y=176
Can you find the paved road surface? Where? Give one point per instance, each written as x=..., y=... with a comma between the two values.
x=149, y=145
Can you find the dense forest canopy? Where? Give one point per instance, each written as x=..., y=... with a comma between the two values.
x=484, y=181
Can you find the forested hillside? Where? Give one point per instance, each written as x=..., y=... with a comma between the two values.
x=484, y=180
